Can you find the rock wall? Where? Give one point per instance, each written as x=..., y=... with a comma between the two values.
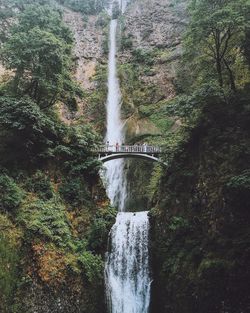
x=149, y=59
x=90, y=34
x=88, y=46
x=156, y=25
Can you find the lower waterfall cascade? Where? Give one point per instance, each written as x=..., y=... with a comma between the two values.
x=127, y=265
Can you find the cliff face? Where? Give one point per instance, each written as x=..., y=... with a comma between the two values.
x=88, y=49
x=90, y=34
x=200, y=221
x=149, y=58
x=157, y=25
x=151, y=37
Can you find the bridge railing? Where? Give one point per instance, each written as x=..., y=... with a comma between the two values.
x=128, y=149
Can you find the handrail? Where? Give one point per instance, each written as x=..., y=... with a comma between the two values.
x=128, y=149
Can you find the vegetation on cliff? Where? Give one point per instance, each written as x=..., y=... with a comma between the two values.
x=54, y=214
x=200, y=235
x=85, y=6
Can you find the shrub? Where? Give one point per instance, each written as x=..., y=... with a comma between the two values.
x=46, y=219
x=93, y=267
x=99, y=230
x=41, y=185
x=10, y=243
x=74, y=191
x=143, y=56
x=237, y=192
x=10, y=194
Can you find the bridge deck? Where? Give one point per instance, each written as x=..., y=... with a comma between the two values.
x=109, y=153
x=142, y=149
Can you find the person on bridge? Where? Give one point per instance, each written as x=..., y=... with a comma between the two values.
x=107, y=146
x=117, y=147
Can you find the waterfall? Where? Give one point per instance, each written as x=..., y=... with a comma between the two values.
x=116, y=181
x=127, y=277
x=127, y=266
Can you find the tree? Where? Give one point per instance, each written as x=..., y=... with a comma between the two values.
x=39, y=52
x=9, y=10
x=26, y=132
x=216, y=31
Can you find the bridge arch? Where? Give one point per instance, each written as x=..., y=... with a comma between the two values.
x=149, y=157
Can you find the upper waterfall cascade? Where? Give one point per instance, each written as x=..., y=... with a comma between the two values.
x=116, y=181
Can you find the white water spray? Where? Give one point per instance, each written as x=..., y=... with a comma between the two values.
x=127, y=267
x=116, y=181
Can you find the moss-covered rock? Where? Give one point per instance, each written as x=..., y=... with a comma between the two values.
x=200, y=234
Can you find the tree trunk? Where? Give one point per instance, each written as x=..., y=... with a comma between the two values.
x=219, y=72
x=17, y=78
x=231, y=75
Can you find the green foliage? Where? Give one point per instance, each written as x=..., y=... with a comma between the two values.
x=214, y=269
x=154, y=180
x=98, y=97
x=75, y=192
x=189, y=107
x=99, y=230
x=77, y=151
x=126, y=42
x=240, y=182
x=214, y=39
x=39, y=52
x=103, y=20
x=93, y=267
x=40, y=184
x=9, y=262
x=143, y=56
x=237, y=192
x=10, y=194
x=202, y=217
x=52, y=163
x=25, y=130
x=177, y=222
x=85, y=6
x=9, y=259
x=45, y=219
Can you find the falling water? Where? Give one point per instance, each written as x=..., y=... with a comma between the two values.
x=127, y=266
x=127, y=263
x=116, y=181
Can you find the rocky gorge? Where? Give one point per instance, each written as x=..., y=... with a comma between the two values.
x=55, y=216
